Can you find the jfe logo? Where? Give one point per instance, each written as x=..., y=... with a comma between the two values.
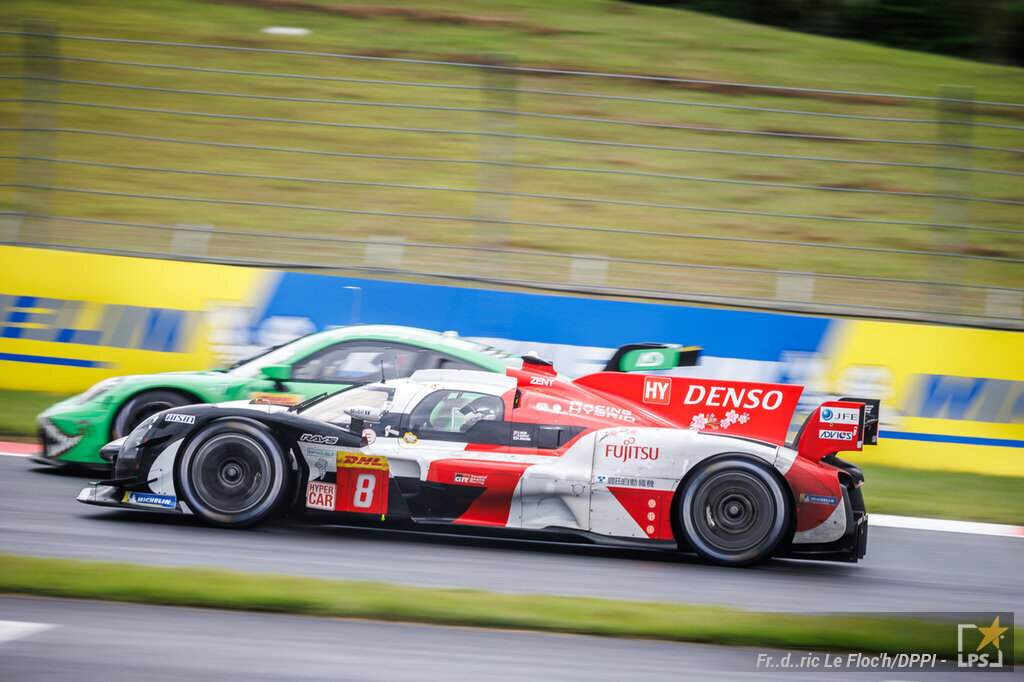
x=657, y=390
x=844, y=415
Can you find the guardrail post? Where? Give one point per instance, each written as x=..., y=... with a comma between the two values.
x=956, y=107
x=497, y=148
x=38, y=138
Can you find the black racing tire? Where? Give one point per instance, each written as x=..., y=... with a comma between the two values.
x=142, y=405
x=735, y=511
x=233, y=474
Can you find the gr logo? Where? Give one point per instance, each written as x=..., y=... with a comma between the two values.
x=980, y=646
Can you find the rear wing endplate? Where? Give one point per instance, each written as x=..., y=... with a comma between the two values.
x=843, y=425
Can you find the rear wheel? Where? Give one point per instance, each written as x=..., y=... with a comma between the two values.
x=143, y=405
x=735, y=511
x=233, y=474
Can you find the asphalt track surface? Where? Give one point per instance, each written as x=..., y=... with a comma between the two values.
x=905, y=570
x=51, y=639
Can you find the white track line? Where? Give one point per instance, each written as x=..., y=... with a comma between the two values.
x=17, y=454
x=14, y=629
x=945, y=525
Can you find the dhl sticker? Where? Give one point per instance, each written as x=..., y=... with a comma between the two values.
x=353, y=460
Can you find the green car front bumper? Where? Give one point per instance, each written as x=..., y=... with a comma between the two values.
x=71, y=433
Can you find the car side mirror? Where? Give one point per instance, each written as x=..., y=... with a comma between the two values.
x=361, y=414
x=277, y=372
x=365, y=414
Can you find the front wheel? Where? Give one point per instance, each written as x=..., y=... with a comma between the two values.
x=233, y=474
x=735, y=511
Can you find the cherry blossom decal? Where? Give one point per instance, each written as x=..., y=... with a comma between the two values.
x=701, y=421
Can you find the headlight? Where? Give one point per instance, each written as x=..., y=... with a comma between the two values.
x=99, y=389
x=131, y=442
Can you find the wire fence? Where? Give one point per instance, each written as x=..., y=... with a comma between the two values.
x=826, y=201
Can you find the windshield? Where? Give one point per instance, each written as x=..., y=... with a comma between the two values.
x=464, y=344
x=333, y=409
x=360, y=360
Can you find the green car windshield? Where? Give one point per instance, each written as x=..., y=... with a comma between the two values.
x=360, y=366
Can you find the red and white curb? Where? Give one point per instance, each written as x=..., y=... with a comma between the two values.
x=20, y=449
x=876, y=520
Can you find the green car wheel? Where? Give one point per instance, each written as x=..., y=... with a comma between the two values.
x=142, y=405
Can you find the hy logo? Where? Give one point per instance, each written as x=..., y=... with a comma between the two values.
x=657, y=390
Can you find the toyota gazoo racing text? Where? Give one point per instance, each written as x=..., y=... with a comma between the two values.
x=679, y=463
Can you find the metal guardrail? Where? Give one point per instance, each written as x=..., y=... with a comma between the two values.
x=531, y=197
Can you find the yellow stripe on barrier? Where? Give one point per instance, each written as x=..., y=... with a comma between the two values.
x=958, y=457
x=942, y=383
x=70, y=319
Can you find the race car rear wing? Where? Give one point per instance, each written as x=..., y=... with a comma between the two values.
x=648, y=357
x=847, y=424
x=736, y=408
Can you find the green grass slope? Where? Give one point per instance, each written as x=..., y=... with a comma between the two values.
x=349, y=118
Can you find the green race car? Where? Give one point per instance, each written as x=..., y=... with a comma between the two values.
x=74, y=430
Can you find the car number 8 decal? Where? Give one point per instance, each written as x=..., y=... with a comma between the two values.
x=363, y=496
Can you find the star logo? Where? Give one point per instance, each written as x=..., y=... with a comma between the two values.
x=991, y=633
x=980, y=646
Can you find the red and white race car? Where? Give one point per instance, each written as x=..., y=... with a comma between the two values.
x=683, y=463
